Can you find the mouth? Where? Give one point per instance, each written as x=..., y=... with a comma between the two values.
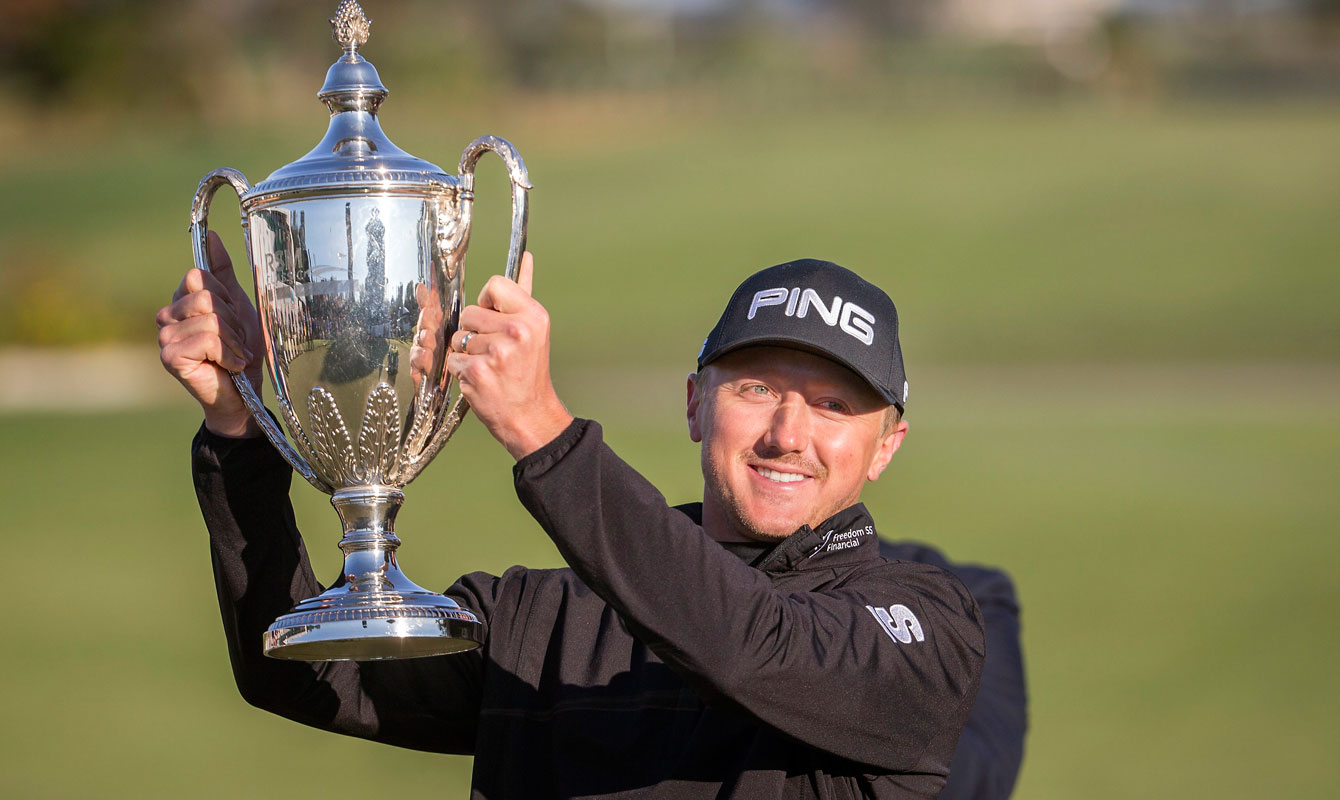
x=778, y=476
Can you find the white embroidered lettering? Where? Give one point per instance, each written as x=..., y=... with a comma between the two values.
x=810, y=298
x=846, y=316
x=858, y=322
x=899, y=623
x=767, y=297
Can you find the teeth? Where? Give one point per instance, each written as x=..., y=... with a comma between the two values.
x=780, y=477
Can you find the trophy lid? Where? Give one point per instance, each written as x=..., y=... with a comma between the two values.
x=354, y=154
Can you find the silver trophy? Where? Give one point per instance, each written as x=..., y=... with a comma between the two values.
x=358, y=252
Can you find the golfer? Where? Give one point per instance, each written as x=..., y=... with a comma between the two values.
x=753, y=645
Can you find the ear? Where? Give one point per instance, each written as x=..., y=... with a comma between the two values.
x=695, y=430
x=887, y=447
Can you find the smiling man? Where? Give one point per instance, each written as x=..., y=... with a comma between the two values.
x=755, y=645
x=797, y=400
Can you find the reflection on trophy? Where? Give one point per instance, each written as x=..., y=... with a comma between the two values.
x=358, y=251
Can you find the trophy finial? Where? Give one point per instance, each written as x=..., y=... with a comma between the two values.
x=349, y=27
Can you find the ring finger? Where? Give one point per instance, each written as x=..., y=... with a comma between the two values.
x=461, y=341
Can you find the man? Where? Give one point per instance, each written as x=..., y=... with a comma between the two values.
x=754, y=645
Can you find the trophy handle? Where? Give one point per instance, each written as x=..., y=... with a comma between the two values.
x=210, y=184
x=516, y=170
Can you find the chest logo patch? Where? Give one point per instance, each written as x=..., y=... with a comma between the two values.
x=898, y=622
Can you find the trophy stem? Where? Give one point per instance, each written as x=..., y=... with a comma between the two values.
x=368, y=514
x=369, y=544
x=373, y=611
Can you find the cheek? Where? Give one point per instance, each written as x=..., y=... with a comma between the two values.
x=730, y=429
x=846, y=453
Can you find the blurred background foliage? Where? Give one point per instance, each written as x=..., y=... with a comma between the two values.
x=100, y=98
x=1110, y=227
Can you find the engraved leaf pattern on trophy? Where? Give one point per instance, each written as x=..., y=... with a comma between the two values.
x=330, y=439
x=300, y=441
x=378, y=440
x=442, y=432
x=424, y=400
x=427, y=426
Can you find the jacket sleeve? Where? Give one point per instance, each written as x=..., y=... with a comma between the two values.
x=816, y=666
x=990, y=751
x=261, y=570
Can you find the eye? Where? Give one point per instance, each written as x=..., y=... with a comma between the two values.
x=836, y=406
x=757, y=390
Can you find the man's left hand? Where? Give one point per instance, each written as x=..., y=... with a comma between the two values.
x=503, y=366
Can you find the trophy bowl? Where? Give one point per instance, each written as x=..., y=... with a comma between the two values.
x=358, y=254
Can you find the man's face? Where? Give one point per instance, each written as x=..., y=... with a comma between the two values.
x=788, y=439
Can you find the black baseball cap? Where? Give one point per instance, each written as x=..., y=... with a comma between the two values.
x=821, y=308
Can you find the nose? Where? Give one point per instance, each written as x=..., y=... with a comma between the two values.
x=789, y=429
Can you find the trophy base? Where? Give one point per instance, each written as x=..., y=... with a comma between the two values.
x=373, y=612
x=372, y=629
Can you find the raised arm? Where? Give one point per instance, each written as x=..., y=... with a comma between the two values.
x=261, y=570
x=260, y=566
x=815, y=665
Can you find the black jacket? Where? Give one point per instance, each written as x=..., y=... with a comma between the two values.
x=660, y=665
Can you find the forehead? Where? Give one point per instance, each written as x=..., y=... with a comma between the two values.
x=795, y=369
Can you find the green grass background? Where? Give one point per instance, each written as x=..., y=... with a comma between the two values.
x=1124, y=361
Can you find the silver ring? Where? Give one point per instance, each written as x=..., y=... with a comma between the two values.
x=465, y=340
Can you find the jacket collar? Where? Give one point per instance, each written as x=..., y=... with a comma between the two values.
x=846, y=537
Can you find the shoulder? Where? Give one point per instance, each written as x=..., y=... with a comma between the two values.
x=988, y=585
x=925, y=594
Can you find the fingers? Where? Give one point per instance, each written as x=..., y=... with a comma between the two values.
x=469, y=371
x=470, y=343
x=421, y=361
x=182, y=356
x=460, y=340
x=506, y=318
x=196, y=304
x=503, y=295
x=505, y=333
x=492, y=353
x=503, y=308
x=203, y=309
x=207, y=325
x=197, y=280
x=219, y=278
x=482, y=320
x=500, y=359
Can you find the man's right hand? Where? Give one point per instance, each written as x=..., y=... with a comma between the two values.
x=209, y=329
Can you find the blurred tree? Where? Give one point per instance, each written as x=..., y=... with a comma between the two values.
x=888, y=18
x=1328, y=10
x=46, y=44
x=538, y=38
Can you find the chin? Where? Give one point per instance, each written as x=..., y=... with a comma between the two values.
x=768, y=528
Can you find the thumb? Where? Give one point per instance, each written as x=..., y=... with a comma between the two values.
x=525, y=276
x=220, y=265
